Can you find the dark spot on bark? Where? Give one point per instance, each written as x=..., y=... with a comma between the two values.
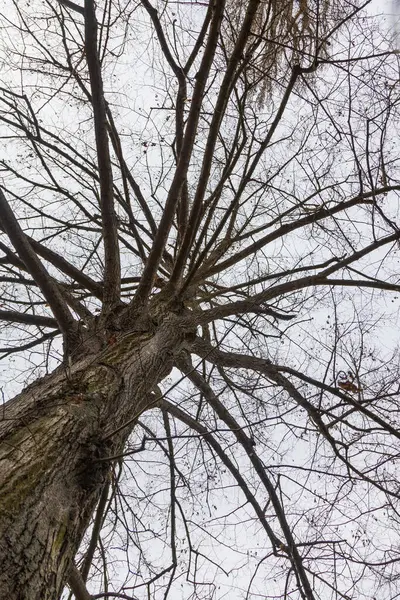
x=93, y=468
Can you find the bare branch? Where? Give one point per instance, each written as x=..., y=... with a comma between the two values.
x=112, y=273
x=17, y=317
x=78, y=585
x=165, y=224
x=73, y=6
x=186, y=366
x=50, y=291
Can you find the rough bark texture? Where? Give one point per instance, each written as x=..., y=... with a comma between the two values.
x=51, y=439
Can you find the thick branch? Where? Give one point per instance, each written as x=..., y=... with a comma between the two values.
x=77, y=585
x=49, y=289
x=67, y=268
x=97, y=525
x=161, y=237
x=229, y=80
x=12, y=316
x=112, y=270
x=72, y=6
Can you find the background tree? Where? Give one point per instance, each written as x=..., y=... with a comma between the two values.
x=199, y=267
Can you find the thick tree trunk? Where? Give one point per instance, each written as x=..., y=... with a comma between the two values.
x=51, y=439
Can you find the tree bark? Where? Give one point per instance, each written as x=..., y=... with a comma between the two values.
x=54, y=441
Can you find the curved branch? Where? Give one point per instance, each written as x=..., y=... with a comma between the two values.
x=22, y=347
x=269, y=370
x=266, y=367
x=203, y=431
x=67, y=268
x=321, y=278
x=194, y=376
x=177, y=70
x=323, y=213
x=77, y=584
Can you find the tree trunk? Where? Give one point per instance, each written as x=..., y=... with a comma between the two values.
x=51, y=439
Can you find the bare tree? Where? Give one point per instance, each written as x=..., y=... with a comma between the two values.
x=199, y=265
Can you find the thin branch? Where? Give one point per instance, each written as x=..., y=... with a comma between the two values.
x=297, y=284
x=196, y=378
x=203, y=431
x=176, y=68
x=318, y=215
x=97, y=525
x=273, y=372
x=230, y=77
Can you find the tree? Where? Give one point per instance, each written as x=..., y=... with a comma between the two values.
x=199, y=267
